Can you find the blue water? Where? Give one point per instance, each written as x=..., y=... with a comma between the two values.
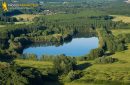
x=77, y=47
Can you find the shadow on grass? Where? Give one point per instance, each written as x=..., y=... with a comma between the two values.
x=51, y=79
x=126, y=47
x=108, y=54
x=83, y=66
x=6, y=58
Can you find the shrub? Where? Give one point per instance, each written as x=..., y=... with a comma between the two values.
x=105, y=60
x=73, y=75
x=64, y=64
x=29, y=57
x=95, y=53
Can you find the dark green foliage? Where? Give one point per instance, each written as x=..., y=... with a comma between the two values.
x=5, y=19
x=88, y=19
x=47, y=58
x=120, y=47
x=110, y=42
x=3, y=43
x=5, y=57
x=29, y=57
x=33, y=75
x=9, y=76
x=15, y=75
x=17, y=30
x=73, y=75
x=23, y=40
x=125, y=38
x=105, y=60
x=64, y=64
x=95, y=53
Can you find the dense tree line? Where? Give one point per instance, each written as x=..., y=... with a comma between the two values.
x=110, y=42
x=6, y=19
x=17, y=30
x=95, y=53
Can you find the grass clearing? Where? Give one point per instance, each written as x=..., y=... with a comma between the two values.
x=26, y=17
x=125, y=19
x=120, y=31
x=23, y=22
x=34, y=64
x=2, y=25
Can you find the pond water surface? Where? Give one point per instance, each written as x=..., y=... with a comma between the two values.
x=76, y=47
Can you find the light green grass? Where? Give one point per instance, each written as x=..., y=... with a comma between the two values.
x=34, y=64
x=26, y=17
x=125, y=19
x=2, y=25
x=120, y=31
x=23, y=22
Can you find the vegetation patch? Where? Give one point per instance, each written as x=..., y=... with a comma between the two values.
x=25, y=17
x=125, y=19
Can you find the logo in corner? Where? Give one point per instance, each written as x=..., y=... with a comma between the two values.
x=4, y=6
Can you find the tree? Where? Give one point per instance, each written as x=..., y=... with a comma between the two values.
x=64, y=64
x=95, y=53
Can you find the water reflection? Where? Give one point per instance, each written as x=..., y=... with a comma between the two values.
x=76, y=47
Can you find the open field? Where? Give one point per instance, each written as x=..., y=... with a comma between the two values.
x=124, y=19
x=26, y=17
x=1, y=25
x=34, y=64
x=23, y=22
x=120, y=31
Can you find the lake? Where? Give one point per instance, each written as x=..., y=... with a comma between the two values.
x=76, y=47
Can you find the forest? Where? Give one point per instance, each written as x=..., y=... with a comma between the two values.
x=108, y=64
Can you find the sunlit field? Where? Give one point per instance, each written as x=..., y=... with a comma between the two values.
x=120, y=31
x=125, y=19
x=26, y=17
x=34, y=64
